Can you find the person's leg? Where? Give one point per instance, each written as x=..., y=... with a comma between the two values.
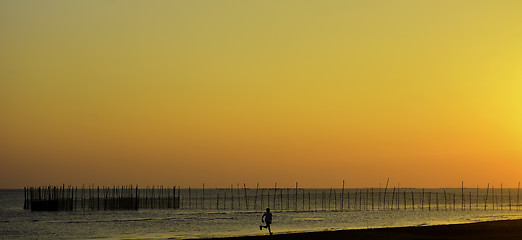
x=269, y=230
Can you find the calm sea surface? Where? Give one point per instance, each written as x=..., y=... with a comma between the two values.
x=318, y=211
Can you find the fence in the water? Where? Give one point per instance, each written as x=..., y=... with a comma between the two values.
x=62, y=198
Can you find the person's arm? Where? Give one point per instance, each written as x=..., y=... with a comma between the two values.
x=262, y=220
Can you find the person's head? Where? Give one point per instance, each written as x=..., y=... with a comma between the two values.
x=267, y=209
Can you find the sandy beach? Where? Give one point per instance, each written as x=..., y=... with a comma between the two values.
x=498, y=230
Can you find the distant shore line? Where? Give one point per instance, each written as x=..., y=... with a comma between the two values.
x=499, y=230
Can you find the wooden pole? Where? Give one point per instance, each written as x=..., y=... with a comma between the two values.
x=309, y=201
x=360, y=199
x=470, y=200
x=355, y=199
x=422, y=200
x=478, y=198
x=268, y=197
x=342, y=198
x=366, y=200
x=25, y=198
x=404, y=193
x=454, y=201
x=429, y=201
x=501, y=197
x=378, y=198
x=329, y=198
x=275, y=194
x=255, y=198
x=315, y=200
x=404, y=200
x=282, y=203
x=232, y=196
x=246, y=197
x=462, y=187
x=398, y=197
x=384, y=197
x=412, y=201
x=393, y=199
x=296, y=184
x=322, y=200
x=437, y=199
x=509, y=196
x=518, y=195
x=287, y=198
x=303, y=199
x=493, y=196
x=98, y=192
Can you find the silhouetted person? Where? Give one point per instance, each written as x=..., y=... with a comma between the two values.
x=266, y=218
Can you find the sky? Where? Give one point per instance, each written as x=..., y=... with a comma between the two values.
x=426, y=93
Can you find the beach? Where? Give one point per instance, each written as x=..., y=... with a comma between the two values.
x=499, y=230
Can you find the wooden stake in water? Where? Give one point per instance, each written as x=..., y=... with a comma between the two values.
x=493, y=195
x=246, y=199
x=329, y=198
x=365, y=206
x=309, y=201
x=232, y=196
x=342, y=197
x=518, y=195
x=268, y=197
x=429, y=201
x=348, y=199
x=412, y=201
x=378, y=198
x=462, y=194
x=372, y=198
x=296, y=184
x=217, y=202
x=287, y=198
x=404, y=193
x=282, y=198
x=437, y=199
x=239, y=197
x=509, y=194
x=454, y=201
x=393, y=199
x=445, y=201
x=360, y=199
x=384, y=198
x=422, y=200
x=315, y=200
x=255, y=198
x=275, y=194
x=501, y=196
x=478, y=197
x=486, y=199
x=303, y=199
x=322, y=200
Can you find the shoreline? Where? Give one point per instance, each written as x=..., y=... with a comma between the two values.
x=499, y=229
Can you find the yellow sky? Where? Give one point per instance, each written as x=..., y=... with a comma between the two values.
x=428, y=93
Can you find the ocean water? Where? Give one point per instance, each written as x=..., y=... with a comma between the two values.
x=314, y=210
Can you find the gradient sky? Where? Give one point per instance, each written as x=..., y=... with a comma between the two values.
x=427, y=93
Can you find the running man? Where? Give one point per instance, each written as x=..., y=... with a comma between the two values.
x=266, y=218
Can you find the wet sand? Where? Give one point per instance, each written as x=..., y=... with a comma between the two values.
x=495, y=230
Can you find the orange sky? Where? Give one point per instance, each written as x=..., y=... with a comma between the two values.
x=427, y=93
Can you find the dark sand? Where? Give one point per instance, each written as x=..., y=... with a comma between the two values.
x=503, y=230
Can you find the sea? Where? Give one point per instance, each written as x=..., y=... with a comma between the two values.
x=311, y=210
